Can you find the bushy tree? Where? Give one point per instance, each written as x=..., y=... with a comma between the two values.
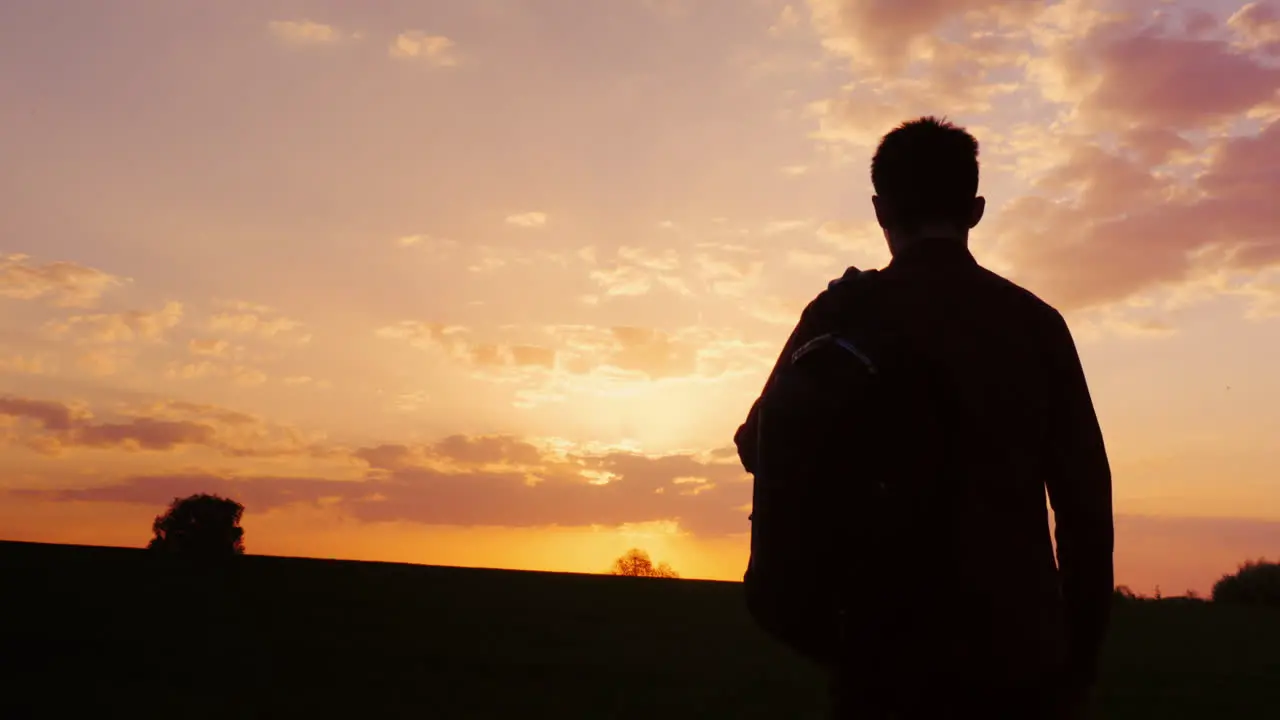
x=1254, y=583
x=202, y=527
x=636, y=563
x=1124, y=593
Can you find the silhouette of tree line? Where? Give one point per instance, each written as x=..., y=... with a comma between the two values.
x=206, y=528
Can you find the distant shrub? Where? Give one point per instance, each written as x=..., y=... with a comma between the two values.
x=1124, y=594
x=1254, y=583
x=636, y=563
x=200, y=527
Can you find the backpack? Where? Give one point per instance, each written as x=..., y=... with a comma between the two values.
x=854, y=486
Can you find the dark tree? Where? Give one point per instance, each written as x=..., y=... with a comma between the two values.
x=636, y=563
x=1254, y=583
x=203, y=527
x=1123, y=593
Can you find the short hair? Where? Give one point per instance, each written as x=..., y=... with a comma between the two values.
x=927, y=169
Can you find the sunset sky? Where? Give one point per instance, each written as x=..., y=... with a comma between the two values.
x=492, y=282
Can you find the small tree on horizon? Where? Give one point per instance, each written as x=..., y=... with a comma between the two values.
x=1255, y=582
x=636, y=563
x=1124, y=593
x=200, y=526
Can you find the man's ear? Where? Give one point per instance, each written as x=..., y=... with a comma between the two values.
x=882, y=211
x=975, y=215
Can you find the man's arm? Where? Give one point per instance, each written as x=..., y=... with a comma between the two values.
x=1079, y=483
x=811, y=319
x=745, y=437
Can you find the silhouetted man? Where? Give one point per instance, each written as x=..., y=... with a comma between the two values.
x=1028, y=631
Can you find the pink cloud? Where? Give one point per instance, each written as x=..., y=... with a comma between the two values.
x=706, y=497
x=883, y=33
x=1151, y=78
x=163, y=427
x=1129, y=231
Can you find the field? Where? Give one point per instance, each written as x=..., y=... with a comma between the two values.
x=109, y=632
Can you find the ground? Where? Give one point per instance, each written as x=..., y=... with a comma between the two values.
x=108, y=631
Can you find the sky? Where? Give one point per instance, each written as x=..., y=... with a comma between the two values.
x=492, y=282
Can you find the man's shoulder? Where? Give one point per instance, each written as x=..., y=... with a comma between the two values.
x=1019, y=297
x=851, y=275
x=838, y=290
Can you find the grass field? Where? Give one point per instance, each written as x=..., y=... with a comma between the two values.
x=108, y=632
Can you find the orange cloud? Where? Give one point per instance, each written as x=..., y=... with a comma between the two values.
x=252, y=319
x=528, y=219
x=214, y=348
x=67, y=428
x=66, y=284
x=27, y=365
x=120, y=327
x=1149, y=167
x=157, y=427
x=305, y=32
x=244, y=375
x=584, y=350
x=1123, y=74
x=435, y=50
x=427, y=242
x=105, y=361
x=636, y=271
x=716, y=268
x=49, y=415
x=488, y=481
x=1128, y=230
x=1258, y=25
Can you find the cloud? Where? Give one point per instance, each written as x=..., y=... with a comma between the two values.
x=49, y=415
x=66, y=428
x=27, y=365
x=305, y=32
x=1123, y=74
x=788, y=19
x=435, y=50
x=729, y=274
x=1125, y=229
x=218, y=358
x=65, y=284
x=245, y=318
x=884, y=35
x=1142, y=133
x=239, y=373
x=208, y=347
x=782, y=227
x=122, y=327
x=527, y=219
x=485, y=481
x=51, y=427
x=610, y=354
x=1131, y=320
x=427, y=242
x=105, y=361
x=814, y=262
x=637, y=271
x=862, y=112
x=490, y=259
x=1258, y=26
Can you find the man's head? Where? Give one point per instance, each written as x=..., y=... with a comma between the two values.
x=925, y=174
